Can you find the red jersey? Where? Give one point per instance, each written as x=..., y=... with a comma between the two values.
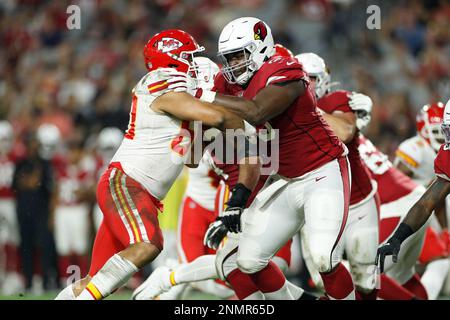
x=442, y=162
x=361, y=182
x=7, y=168
x=72, y=178
x=392, y=183
x=306, y=142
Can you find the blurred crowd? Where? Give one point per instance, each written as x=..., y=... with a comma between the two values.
x=79, y=81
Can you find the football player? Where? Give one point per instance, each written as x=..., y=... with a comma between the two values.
x=151, y=156
x=274, y=92
x=360, y=239
x=419, y=214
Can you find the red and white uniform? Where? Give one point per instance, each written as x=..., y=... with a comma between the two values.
x=71, y=213
x=197, y=211
x=360, y=239
x=418, y=156
x=9, y=229
x=313, y=175
x=145, y=166
x=398, y=193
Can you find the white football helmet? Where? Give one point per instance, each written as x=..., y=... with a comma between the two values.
x=251, y=37
x=108, y=141
x=446, y=122
x=6, y=136
x=49, y=138
x=206, y=70
x=315, y=66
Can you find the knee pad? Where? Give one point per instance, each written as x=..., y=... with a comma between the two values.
x=249, y=265
x=321, y=261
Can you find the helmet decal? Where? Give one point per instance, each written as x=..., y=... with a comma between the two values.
x=260, y=31
x=168, y=44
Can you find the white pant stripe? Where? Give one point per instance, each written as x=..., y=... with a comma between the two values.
x=134, y=210
x=118, y=206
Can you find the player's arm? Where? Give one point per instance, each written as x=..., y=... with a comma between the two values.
x=404, y=168
x=343, y=124
x=417, y=216
x=267, y=104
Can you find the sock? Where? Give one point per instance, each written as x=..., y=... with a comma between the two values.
x=212, y=287
x=338, y=284
x=82, y=262
x=366, y=296
x=269, y=279
x=415, y=286
x=114, y=273
x=243, y=286
x=12, y=258
x=434, y=277
x=391, y=290
x=202, y=268
x=282, y=293
x=66, y=294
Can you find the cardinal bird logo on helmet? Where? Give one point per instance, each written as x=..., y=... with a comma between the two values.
x=168, y=44
x=260, y=31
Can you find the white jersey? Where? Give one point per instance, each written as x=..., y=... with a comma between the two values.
x=202, y=184
x=419, y=157
x=155, y=147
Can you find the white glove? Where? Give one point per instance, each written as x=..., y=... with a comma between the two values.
x=179, y=81
x=362, y=106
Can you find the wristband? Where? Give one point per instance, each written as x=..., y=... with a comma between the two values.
x=205, y=95
x=239, y=196
x=403, y=231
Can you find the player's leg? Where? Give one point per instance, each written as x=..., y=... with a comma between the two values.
x=265, y=231
x=361, y=244
x=326, y=210
x=130, y=213
x=434, y=256
x=63, y=238
x=81, y=243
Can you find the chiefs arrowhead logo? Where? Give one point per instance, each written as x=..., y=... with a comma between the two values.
x=168, y=44
x=260, y=31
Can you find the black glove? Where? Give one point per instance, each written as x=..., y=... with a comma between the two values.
x=232, y=219
x=392, y=246
x=232, y=215
x=215, y=234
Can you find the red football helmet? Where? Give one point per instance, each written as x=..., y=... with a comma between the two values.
x=282, y=51
x=428, y=124
x=171, y=49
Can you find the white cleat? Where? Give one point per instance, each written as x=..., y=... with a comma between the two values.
x=158, y=282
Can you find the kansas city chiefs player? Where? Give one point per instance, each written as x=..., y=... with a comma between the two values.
x=360, y=240
x=419, y=214
x=150, y=158
x=312, y=184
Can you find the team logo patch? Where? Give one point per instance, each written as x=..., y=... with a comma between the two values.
x=169, y=44
x=260, y=31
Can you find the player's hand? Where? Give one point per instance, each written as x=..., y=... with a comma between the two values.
x=362, y=106
x=391, y=248
x=179, y=81
x=232, y=219
x=215, y=234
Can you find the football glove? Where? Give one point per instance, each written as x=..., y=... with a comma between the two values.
x=231, y=218
x=362, y=106
x=215, y=234
x=179, y=81
x=391, y=248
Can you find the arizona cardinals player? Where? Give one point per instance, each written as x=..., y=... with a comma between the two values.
x=360, y=239
x=10, y=277
x=415, y=157
x=419, y=214
x=151, y=156
x=275, y=91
